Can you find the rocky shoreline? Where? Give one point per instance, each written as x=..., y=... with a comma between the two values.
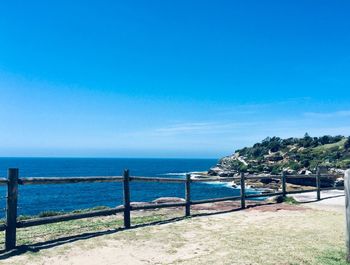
x=267, y=185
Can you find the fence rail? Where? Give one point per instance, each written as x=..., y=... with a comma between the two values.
x=13, y=180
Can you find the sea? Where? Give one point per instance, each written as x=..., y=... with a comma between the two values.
x=34, y=199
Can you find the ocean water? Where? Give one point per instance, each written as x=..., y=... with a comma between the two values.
x=34, y=199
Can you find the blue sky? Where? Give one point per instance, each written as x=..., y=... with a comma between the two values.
x=169, y=78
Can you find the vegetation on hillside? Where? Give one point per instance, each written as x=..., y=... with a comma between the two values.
x=274, y=154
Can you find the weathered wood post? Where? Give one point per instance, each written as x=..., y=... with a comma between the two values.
x=11, y=208
x=126, y=186
x=284, y=189
x=188, y=195
x=242, y=191
x=347, y=212
x=318, y=183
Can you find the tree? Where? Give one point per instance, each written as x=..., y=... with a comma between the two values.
x=347, y=143
x=306, y=141
x=325, y=139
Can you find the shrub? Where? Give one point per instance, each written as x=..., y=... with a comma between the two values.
x=347, y=143
x=50, y=213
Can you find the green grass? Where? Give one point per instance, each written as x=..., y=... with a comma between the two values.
x=332, y=257
x=42, y=233
x=326, y=147
x=290, y=200
x=56, y=213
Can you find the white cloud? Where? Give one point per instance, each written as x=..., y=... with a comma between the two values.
x=335, y=114
x=203, y=127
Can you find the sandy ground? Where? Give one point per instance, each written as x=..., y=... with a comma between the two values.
x=269, y=234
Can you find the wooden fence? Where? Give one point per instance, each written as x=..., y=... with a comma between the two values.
x=13, y=181
x=347, y=213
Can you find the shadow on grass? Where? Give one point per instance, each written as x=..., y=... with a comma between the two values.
x=36, y=247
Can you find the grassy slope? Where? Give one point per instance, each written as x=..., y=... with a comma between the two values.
x=290, y=156
x=327, y=147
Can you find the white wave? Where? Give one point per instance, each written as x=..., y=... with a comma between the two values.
x=223, y=184
x=174, y=174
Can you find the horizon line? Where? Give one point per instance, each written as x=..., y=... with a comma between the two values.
x=100, y=157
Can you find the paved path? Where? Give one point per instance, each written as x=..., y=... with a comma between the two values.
x=330, y=199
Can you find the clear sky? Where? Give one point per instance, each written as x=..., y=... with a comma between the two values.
x=169, y=78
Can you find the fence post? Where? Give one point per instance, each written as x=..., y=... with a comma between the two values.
x=126, y=186
x=284, y=189
x=242, y=191
x=318, y=183
x=347, y=212
x=188, y=195
x=11, y=208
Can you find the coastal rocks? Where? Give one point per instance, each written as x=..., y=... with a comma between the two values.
x=168, y=200
x=337, y=171
x=311, y=181
x=221, y=172
x=339, y=182
x=234, y=185
x=289, y=171
x=268, y=184
x=135, y=204
x=275, y=199
x=226, y=174
x=160, y=200
x=305, y=172
x=267, y=190
x=199, y=175
x=214, y=171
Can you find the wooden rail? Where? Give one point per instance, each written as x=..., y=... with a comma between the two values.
x=13, y=180
x=58, y=180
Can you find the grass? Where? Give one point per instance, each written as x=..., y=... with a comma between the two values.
x=325, y=147
x=290, y=200
x=56, y=213
x=332, y=257
x=42, y=233
x=310, y=237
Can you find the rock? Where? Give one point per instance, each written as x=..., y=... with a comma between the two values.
x=339, y=182
x=308, y=172
x=225, y=174
x=233, y=185
x=269, y=180
x=139, y=203
x=275, y=199
x=135, y=204
x=289, y=171
x=308, y=181
x=337, y=171
x=168, y=200
x=197, y=176
x=267, y=191
x=214, y=171
x=221, y=172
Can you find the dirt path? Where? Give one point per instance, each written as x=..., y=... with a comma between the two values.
x=274, y=234
x=330, y=200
